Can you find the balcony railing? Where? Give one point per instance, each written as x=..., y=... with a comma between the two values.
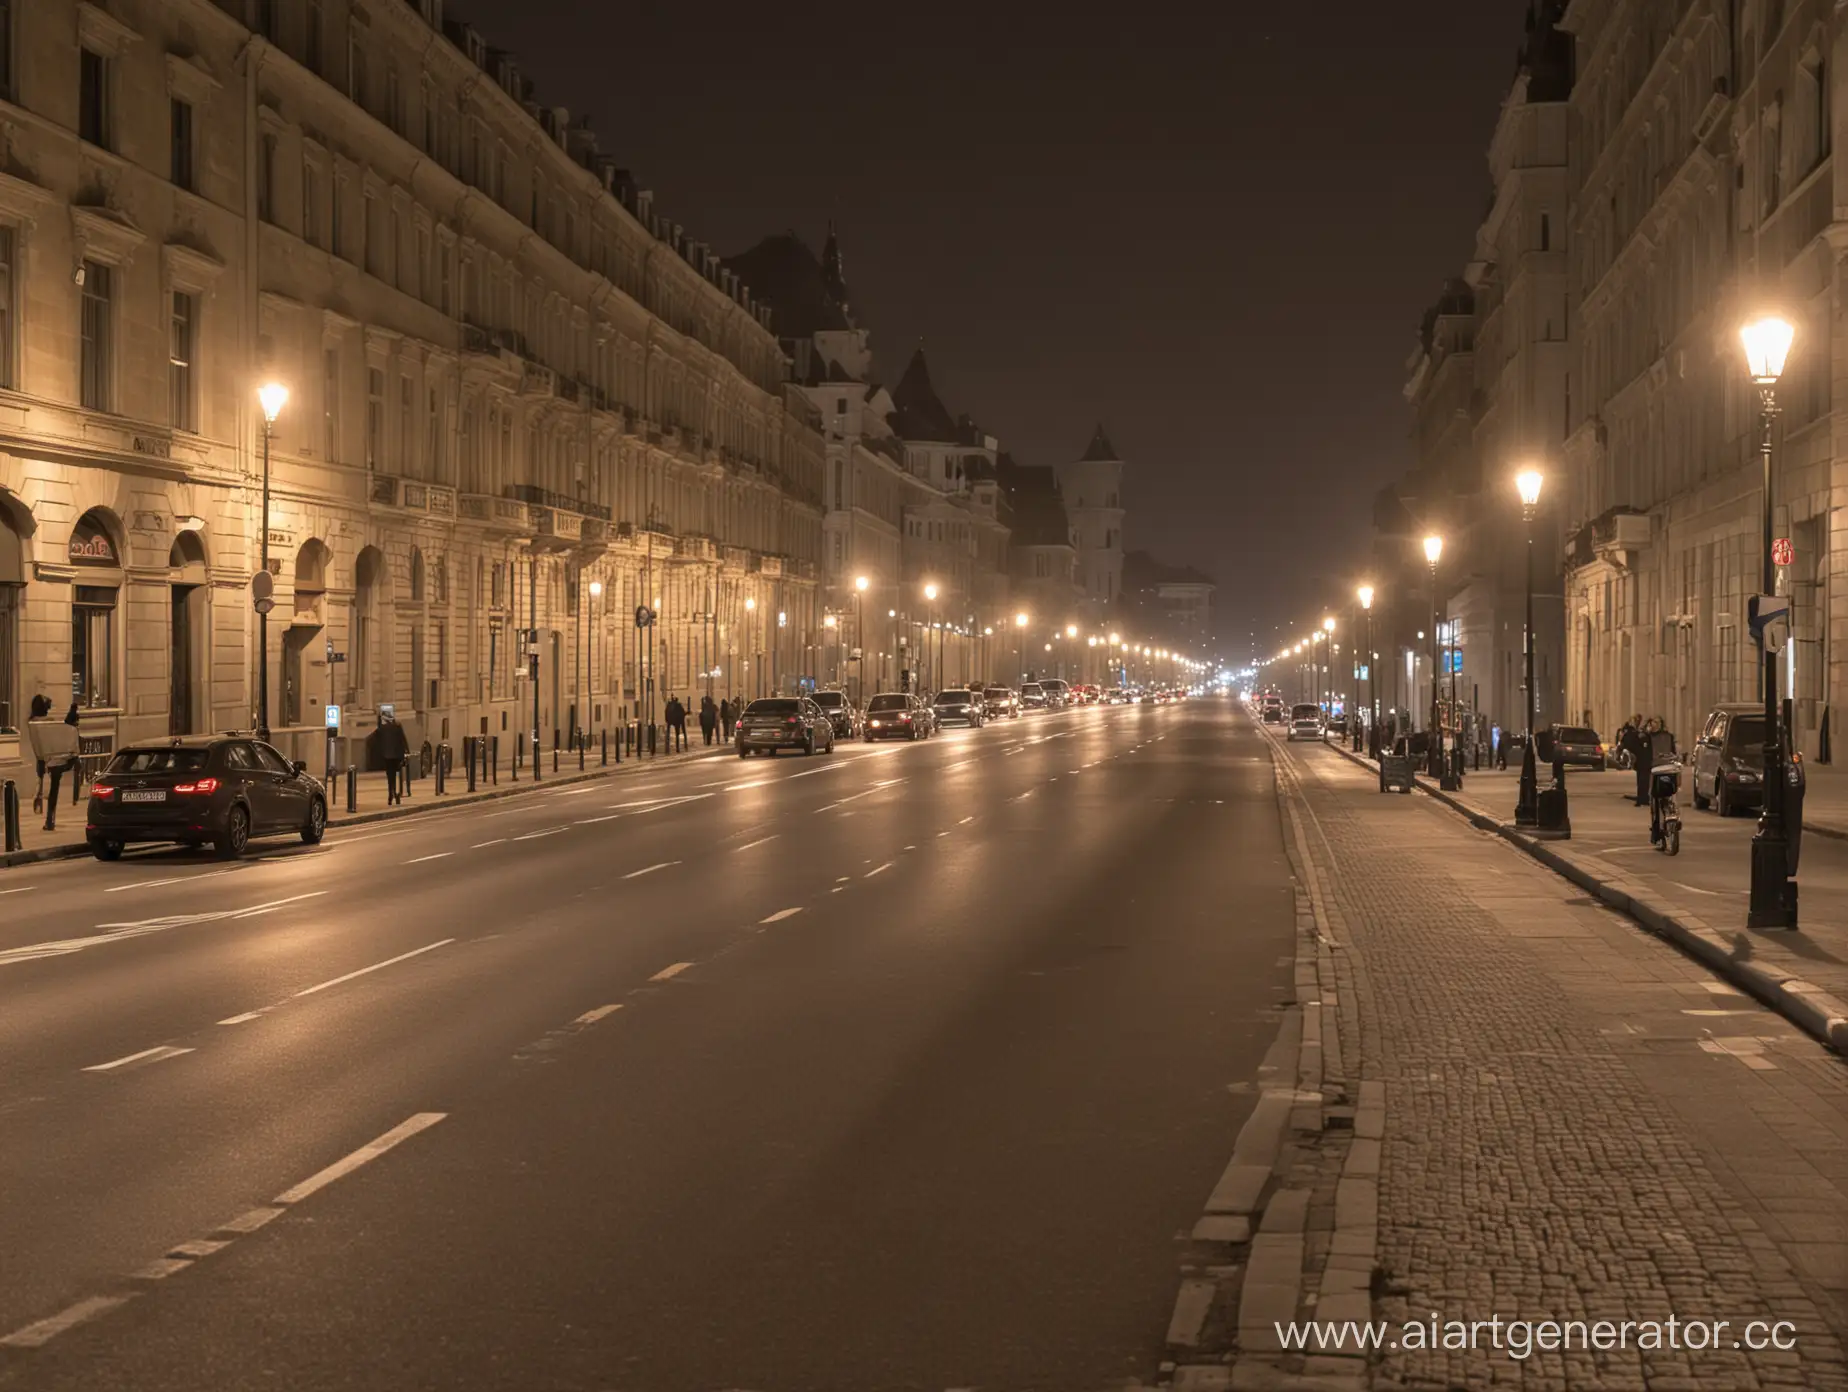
x=542, y=497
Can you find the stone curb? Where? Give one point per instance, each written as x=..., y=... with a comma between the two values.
x=70, y=850
x=1805, y=1005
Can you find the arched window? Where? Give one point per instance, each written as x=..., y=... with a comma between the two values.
x=95, y=552
x=362, y=624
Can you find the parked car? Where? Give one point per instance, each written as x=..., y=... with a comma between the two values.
x=1338, y=725
x=841, y=713
x=784, y=722
x=1729, y=759
x=1000, y=703
x=1306, y=722
x=957, y=706
x=1032, y=696
x=223, y=789
x=1576, y=746
x=1273, y=713
x=897, y=715
x=1058, y=694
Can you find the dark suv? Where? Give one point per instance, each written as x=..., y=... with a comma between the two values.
x=223, y=788
x=841, y=714
x=784, y=722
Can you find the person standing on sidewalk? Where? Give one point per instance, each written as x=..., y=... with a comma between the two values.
x=394, y=749
x=676, y=725
x=708, y=719
x=41, y=708
x=727, y=716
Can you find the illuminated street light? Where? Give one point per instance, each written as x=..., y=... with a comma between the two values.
x=1527, y=800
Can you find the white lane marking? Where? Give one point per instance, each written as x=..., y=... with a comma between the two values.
x=149, y=884
x=943, y=833
x=965, y=821
x=592, y=821
x=719, y=783
x=754, y=783
x=1719, y=1012
x=1720, y=988
x=118, y=932
x=758, y=842
x=649, y=870
x=669, y=973
x=483, y=845
x=388, y=962
x=780, y=915
x=367, y=1153
x=877, y=869
x=654, y=804
x=160, y=1270
x=825, y=768
x=23, y=889
x=573, y=792
x=200, y=1247
x=548, y=831
x=440, y=855
x=590, y=1017
x=250, y=1220
x=43, y=1332
x=910, y=848
x=1695, y=889
x=154, y=1055
x=243, y=1019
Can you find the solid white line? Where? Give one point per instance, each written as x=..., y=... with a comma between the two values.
x=756, y=783
x=535, y=835
x=370, y=1151
x=481, y=845
x=649, y=870
x=878, y=869
x=591, y=821
x=1695, y=889
x=758, y=842
x=943, y=833
x=440, y=855
x=154, y=1055
x=243, y=1019
x=148, y=884
x=37, y=1335
x=669, y=973
x=590, y=1017
x=389, y=961
x=780, y=915
x=23, y=889
x=965, y=821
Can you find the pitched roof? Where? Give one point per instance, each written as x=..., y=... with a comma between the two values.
x=1100, y=447
x=920, y=413
x=784, y=274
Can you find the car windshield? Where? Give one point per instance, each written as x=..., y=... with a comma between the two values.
x=1305, y=712
x=167, y=760
x=831, y=700
x=1575, y=734
x=1032, y=689
x=1747, y=732
x=995, y=691
x=774, y=706
x=886, y=703
x=954, y=698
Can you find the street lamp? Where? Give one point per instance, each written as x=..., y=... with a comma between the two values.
x=860, y=584
x=272, y=397
x=590, y=638
x=1527, y=801
x=1434, y=761
x=930, y=597
x=1328, y=668
x=1773, y=902
x=1365, y=595
x=829, y=621
x=757, y=653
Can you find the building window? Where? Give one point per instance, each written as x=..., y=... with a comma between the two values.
x=93, y=645
x=404, y=427
x=1546, y=232
x=433, y=444
x=330, y=404
x=266, y=178
x=314, y=24
x=98, y=338
x=369, y=235
x=336, y=242
x=311, y=204
x=499, y=670
x=183, y=336
x=93, y=97
x=375, y=416
x=356, y=66
x=180, y=143
x=6, y=89
x=6, y=297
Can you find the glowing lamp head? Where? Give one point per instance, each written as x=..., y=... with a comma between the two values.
x=1071, y=630
x=1528, y=481
x=1767, y=344
x=596, y=588
x=1020, y=621
x=272, y=397
x=1366, y=596
x=930, y=592
x=829, y=621
x=1328, y=625
x=750, y=604
x=1433, y=548
x=860, y=582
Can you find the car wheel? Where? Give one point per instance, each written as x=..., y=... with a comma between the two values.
x=106, y=850
x=237, y=833
x=808, y=745
x=1701, y=804
x=317, y=823
x=1722, y=805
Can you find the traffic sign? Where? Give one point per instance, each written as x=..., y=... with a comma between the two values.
x=1782, y=552
x=333, y=656
x=644, y=616
x=262, y=587
x=1768, y=617
x=333, y=717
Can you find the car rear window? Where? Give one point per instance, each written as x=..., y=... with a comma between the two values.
x=1746, y=731
x=159, y=761
x=995, y=691
x=1305, y=712
x=831, y=699
x=886, y=703
x=774, y=706
x=1576, y=734
x=1032, y=688
x=951, y=698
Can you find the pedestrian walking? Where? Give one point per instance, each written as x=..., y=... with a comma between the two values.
x=394, y=749
x=54, y=750
x=726, y=718
x=708, y=719
x=40, y=709
x=676, y=724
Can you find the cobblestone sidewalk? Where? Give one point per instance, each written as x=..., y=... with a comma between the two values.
x=1579, y=1123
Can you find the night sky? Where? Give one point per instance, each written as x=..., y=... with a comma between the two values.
x=1215, y=235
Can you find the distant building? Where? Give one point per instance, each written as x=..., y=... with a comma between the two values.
x=1171, y=604
x=1093, y=489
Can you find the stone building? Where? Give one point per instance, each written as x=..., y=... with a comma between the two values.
x=1703, y=192
x=513, y=384
x=1092, y=485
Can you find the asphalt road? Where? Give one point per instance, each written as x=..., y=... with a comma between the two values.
x=902, y=1068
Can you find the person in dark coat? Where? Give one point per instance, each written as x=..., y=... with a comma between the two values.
x=708, y=718
x=394, y=749
x=1633, y=739
x=726, y=718
x=676, y=724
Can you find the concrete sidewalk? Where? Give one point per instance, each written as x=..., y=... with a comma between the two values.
x=370, y=803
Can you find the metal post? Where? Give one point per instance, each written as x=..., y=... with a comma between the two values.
x=603, y=741
x=1773, y=902
x=494, y=764
x=1527, y=802
x=9, y=816
x=468, y=757
x=352, y=789
x=533, y=661
x=439, y=772
x=1434, y=752
x=263, y=725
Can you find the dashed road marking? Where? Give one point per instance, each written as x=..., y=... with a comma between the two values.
x=154, y=1055
x=439, y=855
x=43, y=1332
x=780, y=915
x=376, y=966
x=546, y=831
x=650, y=869
x=590, y=1017
x=758, y=842
x=483, y=845
x=365, y=1155
x=669, y=973
x=878, y=869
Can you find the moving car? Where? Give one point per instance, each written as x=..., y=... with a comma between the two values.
x=1729, y=758
x=897, y=715
x=223, y=789
x=1307, y=721
x=1576, y=746
x=1058, y=694
x=841, y=714
x=784, y=722
x=1032, y=696
x=999, y=703
x=957, y=706
x=1115, y=696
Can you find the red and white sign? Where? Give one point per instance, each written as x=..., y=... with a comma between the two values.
x=1782, y=552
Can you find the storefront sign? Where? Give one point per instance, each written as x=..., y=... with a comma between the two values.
x=155, y=446
x=92, y=549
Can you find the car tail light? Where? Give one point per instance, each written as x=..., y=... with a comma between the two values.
x=102, y=790
x=792, y=721
x=203, y=785
x=905, y=719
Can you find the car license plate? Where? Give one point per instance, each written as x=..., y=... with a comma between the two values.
x=145, y=795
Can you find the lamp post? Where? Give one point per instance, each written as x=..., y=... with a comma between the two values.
x=1773, y=902
x=1328, y=692
x=1434, y=762
x=776, y=656
x=272, y=397
x=590, y=638
x=930, y=597
x=860, y=584
x=1527, y=802
x=832, y=624
x=1365, y=595
x=757, y=656
x=1020, y=623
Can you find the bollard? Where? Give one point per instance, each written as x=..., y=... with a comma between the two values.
x=468, y=757
x=494, y=759
x=352, y=789
x=603, y=739
x=554, y=753
x=439, y=771
x=9, y=814
x=582, y=740
x=651, y=737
